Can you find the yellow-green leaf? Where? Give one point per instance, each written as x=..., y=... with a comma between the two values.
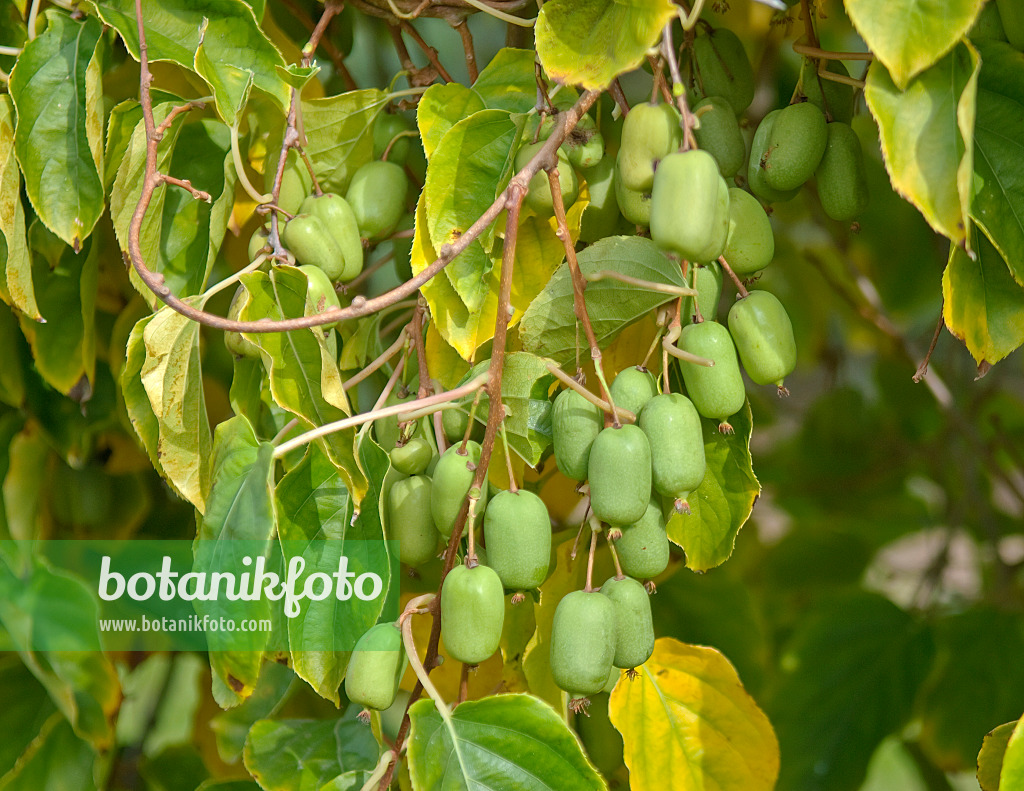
x=591, y=42
x=1012, y=775
x=990, y=758
x=927, y=133
x=687, y=723
x=908, y=36
x=16, y=272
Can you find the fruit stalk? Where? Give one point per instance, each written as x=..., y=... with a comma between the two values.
x=735, y=278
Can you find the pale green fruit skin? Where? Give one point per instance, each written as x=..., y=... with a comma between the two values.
x=724, y=68
x=755, y=171
x=236, y=343
x=308, y=239
x=601, y=740
x=719, y=134
x=796, y=144
x=377, y=196
x=413, y=457
x=472, y=613
x=690, y=207
x=842, y=182
x=409, y=520
x=452, y=481
x=751, y=244
x=837, y=95
x=602, y=213
x=989, y=24
x=673, y=429
x=619, y=471
x=763, y=335
x=385, y=128
x=375, y=668
x=340, y=221
x=1012, y=16
x=296, y=182
x=538, y=197
x=643, y=548
x=708, y=282
x=517, y=530
x=320, y=293
x=634, y=632
x=387, y=427
x=717, y=392
x=575, y=424
x=257, y=242
x=633, y=388
x=650, y=132
x=635, y=206
x=584, y=146
x=583, y=642
x=454, y=422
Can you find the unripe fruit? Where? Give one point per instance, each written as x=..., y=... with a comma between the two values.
x=402, y=248
x=320, y=293
x=619, y=472
x=643, y=548
x=602, y=213
x=707, y=280
x=340, y=221
x=538, y=197
x=583, y=643
x=584, y=146
x=633, y=387
x=796, y=144
x=1012, y=16
x=763, y=334
x=826, y=94
x=235, y=342
x=719, y=134
x=575, y=424
x=634, y=632
x=989, y=24
x=454, y=423
x=453, y=477
x=413, y=457
x=601, y=740
x=377, y=196
x=296, y=182
x=690, y=207
x=409, y=520
x=308, y=239
x=717, y=392
x=258, y=242
x=375, y=668
x=842, y=182
x=755, y=167
x=673, y=429
x=650, y=132
x=472, y=613
x=723, y=68
x=387, y=427
x=517, y=530
x=751, y=244
x=385, y=128
x=635, y=206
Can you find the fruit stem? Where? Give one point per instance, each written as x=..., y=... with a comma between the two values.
x=623, y=414
x=615, y=558
x=379, y=770
x=508, y=456
x=405, y=620
x=590, y=561
x=399, y=344
x=232, y=279
x=579, y=533
x=686, y=121
x=243, y=178
x=395, y=139
x=471, y=559
x=675, y=351
x=470, y=423
x=647, y=285
x=735, y=279
x=654, y=345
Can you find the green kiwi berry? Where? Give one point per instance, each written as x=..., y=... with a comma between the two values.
x=707, y=280
x=453, y=477
x=375, y=668
x=377, y=196
x=538, y=197
x=717, y=392
x=409, y=520
x=575, y=424
x=472, y=613
x=763, y=334
x=756, y=178
x=634, y=632
x=340, y=222
x=643, y=547
x=719, y=134
x=583, y=643
x=602, y=215
x=673, y=429
x=385, y=131
x=831, y=97
x=840, y=177
x=633, y=387
x=650, y=132
x=413, y=457
x=296, y=183
x=796, y=144
x=308, y=239
x=722, y=67
x=751, y=243
x=634, y=206
x=619, y=471
x=517, y=530
x=690, y=207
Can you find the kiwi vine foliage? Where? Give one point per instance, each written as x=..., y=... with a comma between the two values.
x=866, y=631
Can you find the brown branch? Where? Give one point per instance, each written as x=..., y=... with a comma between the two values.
x=922, y=369
x=615, y=89
x=404, y=57
x=416, y=330
x=428, y=50
x=331, y=9
x=337, y=57
x=688, y=121
x=467, y=44
x=186, y=185
x=174, y=113
x=736, y=281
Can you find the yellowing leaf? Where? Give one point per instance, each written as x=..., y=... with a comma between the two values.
x=687, y=723
x=590, y=42
x=990, y=758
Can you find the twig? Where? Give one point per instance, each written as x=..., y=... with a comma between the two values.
x=687, y=120
x=285, y=430
x=467, y=44
x=331, y=9
x=922, y=369
x=374, y=366
x=615, y=89
x=186, y=185
x=463, y=683
x=197, y=104
x=363, y=276
x=416, y=330
x=378, y=771
x=824, y=54
x=647, y=285
x=336, y=55
x=428, y=50
x=403, y=51
x=624, y=415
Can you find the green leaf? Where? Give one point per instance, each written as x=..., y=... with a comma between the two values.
x=998, y=205
x=136, y=400
x=908, y=36
x=927, y=133
x=296, y=755
x=982, y=304
x=508, y=82
x=230, y=85
x=16, y=270
x=64, y=344
x=231, y=727
x=339, y=130
x=1012, y=774
x=722, y=503
x=591, y=42
x=849, y=677
x=990, y=757
x=549, y=326
x=977, y=680
x=228, y=29
x=512, y=742
x=172, y=377
x=525, y=383
x=56, y=759
x=59, y=136
x=441, y=107
x=239, y=513
x=28, y=708
x=688, y=717
x=470, y=166
x=304, y=377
